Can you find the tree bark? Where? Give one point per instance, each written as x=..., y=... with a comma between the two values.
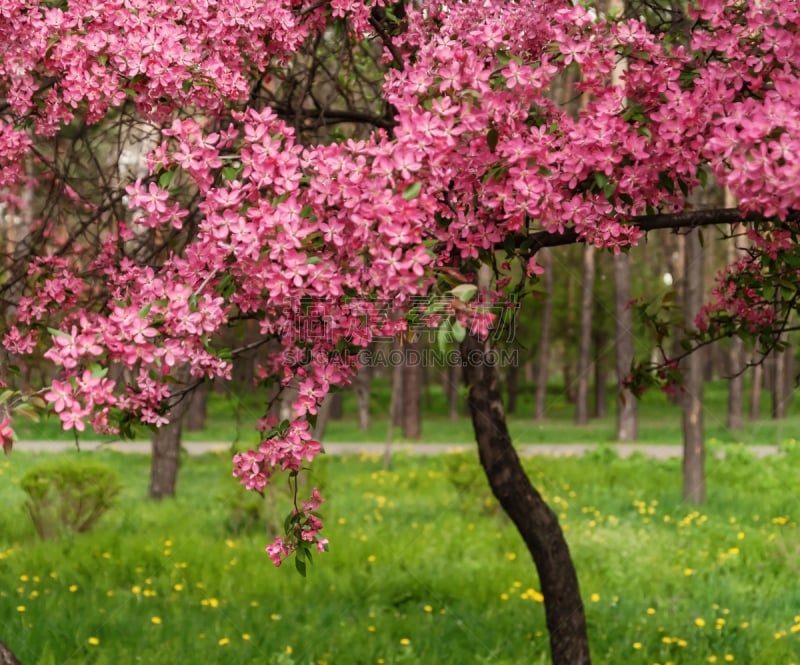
x=543, y=354
x=452, y=378
x=778, y=389
x=533, y=518
x=166, y=447
x=693, y=436
x=6, y=656
x=412, y=392
x=512, y=387
x=196, y=409
x=362, y=381
x=735, y=384
x=585, y=340
x=755, y=392
x=627, y=407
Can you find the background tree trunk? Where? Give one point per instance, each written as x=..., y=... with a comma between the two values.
x=543, y=354
x=412, y=391
x=533, y=518
x=693, y=437
x=362, y=381
x=735, y=384
x=627, y=407
x=755, y=391
x=453, y=375
x=585, y=340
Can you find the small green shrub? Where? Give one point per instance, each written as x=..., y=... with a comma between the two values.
x=69, y=496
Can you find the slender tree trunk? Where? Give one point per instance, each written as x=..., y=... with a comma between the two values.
x=735, y=351
x=585, y=340
x=453, y=375
x=735, y=384
x=627, y=407
x=512, y=387
x=6, y=657
x=398, y=372
x=693, y=437
x=778, y=391
x=755, y=391
x=362, y=381
x=570, y=342
x=412, y=392
x=533, y=518
x=543, y=354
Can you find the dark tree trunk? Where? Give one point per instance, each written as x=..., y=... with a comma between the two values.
x=196, y=409
x=543, y=355
x=585, y=339
x=535, y=521
x=412, y=392
x=336, y=412
x=693, y=436
x=166, y=447
x=627, y=407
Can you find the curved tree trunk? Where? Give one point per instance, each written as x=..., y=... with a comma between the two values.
x=535, y=521
x=6, y=657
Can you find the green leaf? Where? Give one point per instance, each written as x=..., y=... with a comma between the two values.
x=464, y=292
x=165, y=179
x=58, y=333
x=145, y=310
x=300, y=565
x=459, y=332
x=230, y=173
x=412, y=191
x=492, y=138
x=443, y=336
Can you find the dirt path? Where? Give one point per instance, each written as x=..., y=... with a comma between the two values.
x=561, y=449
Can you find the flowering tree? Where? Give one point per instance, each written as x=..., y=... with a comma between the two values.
x=169, y=170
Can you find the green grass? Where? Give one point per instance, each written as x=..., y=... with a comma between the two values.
x=232, y=417
x=422, y=569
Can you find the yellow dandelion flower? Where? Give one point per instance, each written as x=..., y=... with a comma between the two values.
x=729, y=658
x=371, y=629
x=511, y=556
x=428, y=609
x=177, y=587
x=155, y=620
x=699, y=622
x=637, y=645
x=73, y=588
x=21, y=608
x=651, y=610
x=405, y=641
x=288, y=649
x=223, y=641
x=94, y=641
x=372, y=558
x=246, y=637
x=595, y=597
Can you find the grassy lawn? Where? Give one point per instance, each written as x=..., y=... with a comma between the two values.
x=232, y=417
x=422, y=569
